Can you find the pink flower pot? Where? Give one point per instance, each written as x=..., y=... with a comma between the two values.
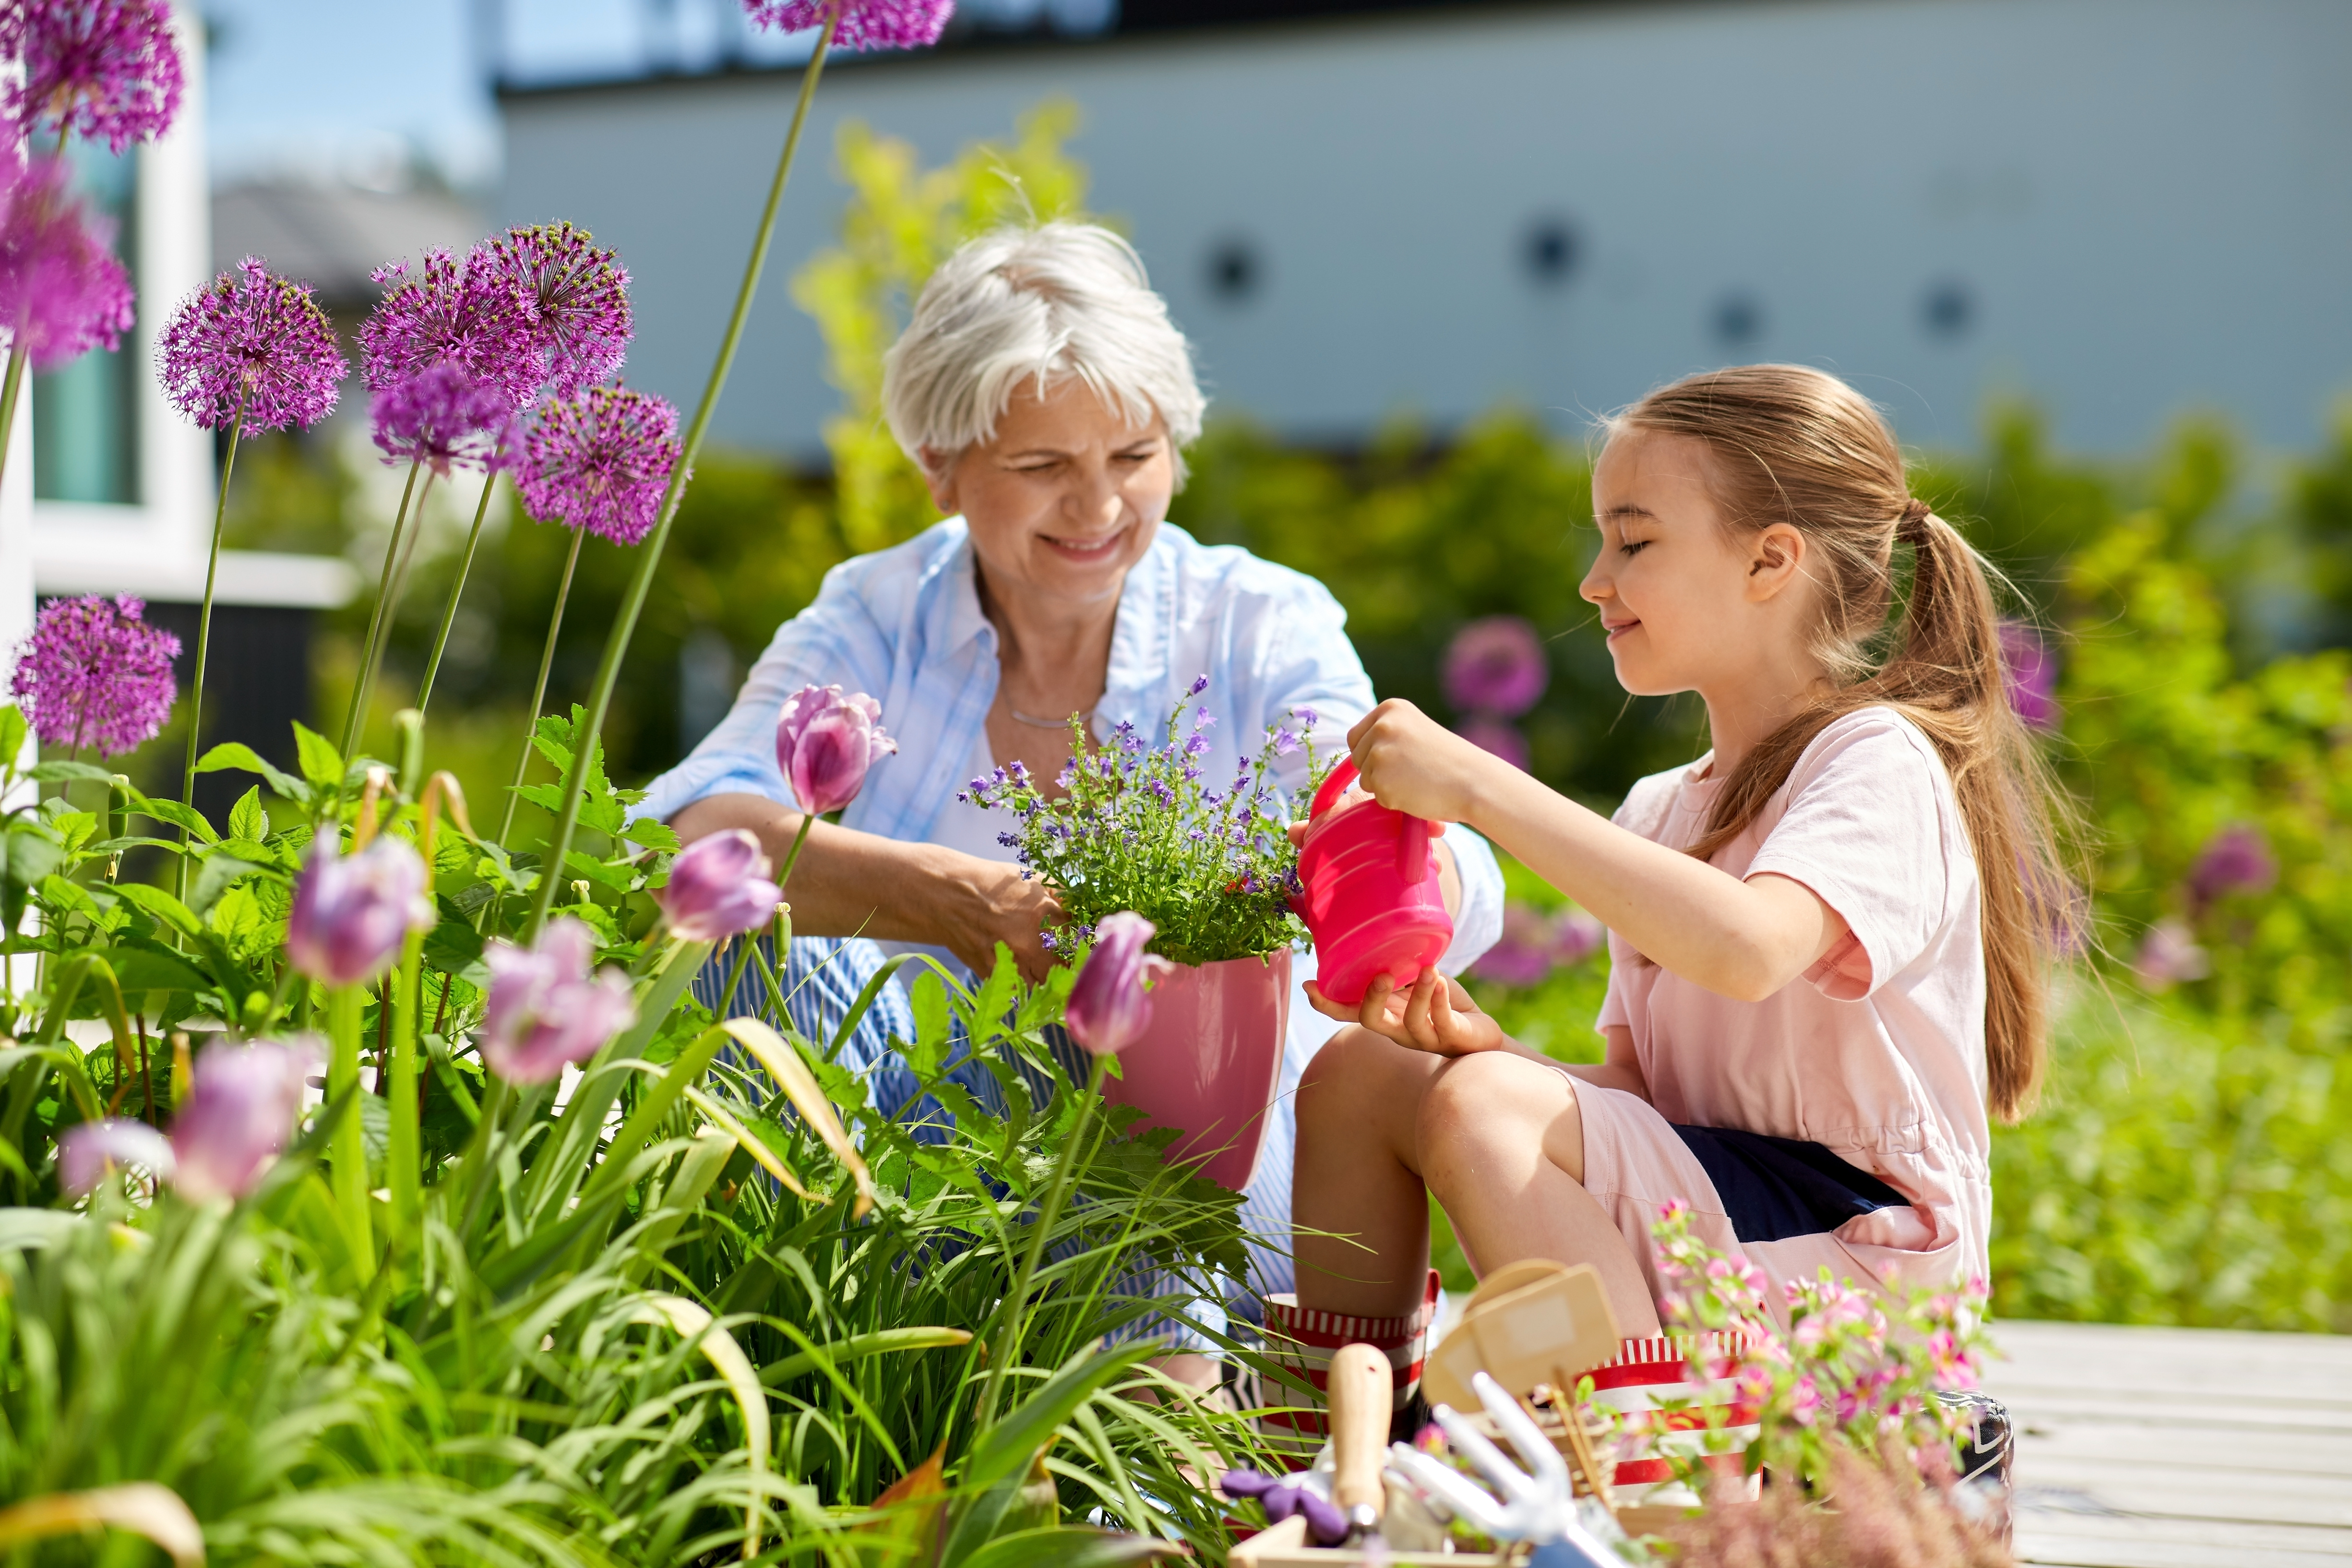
x=1210, y=1061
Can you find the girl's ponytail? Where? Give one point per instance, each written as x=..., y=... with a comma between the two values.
x=1792, y=445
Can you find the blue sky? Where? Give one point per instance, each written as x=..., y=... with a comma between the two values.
x=347, y=85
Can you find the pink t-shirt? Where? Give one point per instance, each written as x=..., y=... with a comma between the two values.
x=1878, y=1052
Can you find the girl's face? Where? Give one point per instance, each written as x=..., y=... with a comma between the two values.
x=1686, y=604
x=1065, y=497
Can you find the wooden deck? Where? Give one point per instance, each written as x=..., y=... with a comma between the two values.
x=2179, y=1448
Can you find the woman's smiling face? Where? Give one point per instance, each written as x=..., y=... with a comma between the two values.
x=1065, y=497
x=1674, y=589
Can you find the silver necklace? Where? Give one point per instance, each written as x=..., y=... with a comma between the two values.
x=1033, y=722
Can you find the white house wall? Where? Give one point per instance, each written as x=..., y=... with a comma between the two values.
x=2146, y=202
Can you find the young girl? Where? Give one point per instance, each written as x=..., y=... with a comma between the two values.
x=1823, y=933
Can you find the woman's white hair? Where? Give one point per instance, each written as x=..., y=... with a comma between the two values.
x=1023, y=305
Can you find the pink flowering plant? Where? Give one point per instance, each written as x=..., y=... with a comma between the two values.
x=1209, y=862
x=1857, y=1368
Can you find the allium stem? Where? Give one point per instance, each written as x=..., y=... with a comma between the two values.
x=9, y=391
x=347, y=1149
x=539, y=692
x=457, y=592
x=353, y=720
x=633, y=603
x=204, y=635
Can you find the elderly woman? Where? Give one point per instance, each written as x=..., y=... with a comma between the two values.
x=1048, y=399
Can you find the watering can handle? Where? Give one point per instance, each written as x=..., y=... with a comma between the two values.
x=1334, y=784
x=1412, y=848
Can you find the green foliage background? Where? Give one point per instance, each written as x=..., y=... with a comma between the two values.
x=2183, y=1167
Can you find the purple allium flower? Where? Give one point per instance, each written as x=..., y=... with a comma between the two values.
x=102, y=69
x=1109, y=1006
x=89, y=1150
x=580, y=302
x=864, y=24
x=545, y=1011
x=1496, y=665
x=2032, y=672
x=242, y=1103
x=93, y=676
x=250, y=342
x=63, y=291
x=2167, y=955
x=473, y=314
x=443, y=418
x=1498, y=736
x=718, y=887
x=2234, y=860
x=825, y=741
x=600, y=461
x=351, y=914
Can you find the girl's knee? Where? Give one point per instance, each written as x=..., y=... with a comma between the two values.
x=1492, y=1094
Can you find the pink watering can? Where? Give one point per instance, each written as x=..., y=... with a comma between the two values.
x=1370, y=896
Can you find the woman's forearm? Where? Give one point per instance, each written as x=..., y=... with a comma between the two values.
x=1743, y=940
x=849, y=883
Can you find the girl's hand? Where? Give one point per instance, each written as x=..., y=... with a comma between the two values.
x=1437, y=1016
x=1410, y=762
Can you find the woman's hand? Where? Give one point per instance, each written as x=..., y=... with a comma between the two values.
x=1437, y=1016
x=979, y=903
x=1410, y=762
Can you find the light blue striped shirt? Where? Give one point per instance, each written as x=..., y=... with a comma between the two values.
x=905, y=625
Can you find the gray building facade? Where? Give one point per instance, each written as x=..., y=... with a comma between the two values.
x=2124, y=209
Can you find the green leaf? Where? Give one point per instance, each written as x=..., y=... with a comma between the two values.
x=148, y=969
x=12, y=734
x=218, y=872
x=859, y=1346
x=453, y=947
x=32, y=854
x=246, y=819
x=64, y=771
x=992, y=1008
x=320, y=762
x=162, y=906
x=927, y=1058
x=1070, y=1546
x=235, y=755
x=1013, y=1444
x=178, y=816
x=653, y=833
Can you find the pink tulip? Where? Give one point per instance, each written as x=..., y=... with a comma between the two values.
x=351, y=914
x=1109, y=1006
x=718, y=887
x=242, y=1106
x=2169, y=954
x=87, y=1151
x=545, y=1010
x=824, y=743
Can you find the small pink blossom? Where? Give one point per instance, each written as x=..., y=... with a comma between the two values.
x=243, y=1103
x=825, y=743
x=718, y=887
x=352, y=912
x=545, y=1011
x=1109, y=1003
x=89, y=1150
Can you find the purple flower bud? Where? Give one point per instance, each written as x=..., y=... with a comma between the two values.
x=545, y=1011
x=824, y=743
x=1496, y=665
x=719, y=886
x=1108, y=1005
x=1307, y=718
x=242, y=1103
x=351, y=914
x=1198, y=685
x=2032, y=675
x=87, y=1151
x=2234, y=860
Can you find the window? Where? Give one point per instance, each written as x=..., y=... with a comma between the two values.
x=85, y=421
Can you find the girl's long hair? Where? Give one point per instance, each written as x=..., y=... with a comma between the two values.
x=1789, y=443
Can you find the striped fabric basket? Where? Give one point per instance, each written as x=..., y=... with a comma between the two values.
x=1651, y=1373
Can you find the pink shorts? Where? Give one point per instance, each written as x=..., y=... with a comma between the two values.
x=1635, y=1162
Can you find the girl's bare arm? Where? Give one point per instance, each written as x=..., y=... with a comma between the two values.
x=1743, y=940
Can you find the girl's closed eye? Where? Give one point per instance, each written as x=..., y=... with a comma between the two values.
x=1632, y=546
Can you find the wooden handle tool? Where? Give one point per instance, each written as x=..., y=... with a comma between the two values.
x=1359, y=1390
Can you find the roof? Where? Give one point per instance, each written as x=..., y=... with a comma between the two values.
x=334, y=236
